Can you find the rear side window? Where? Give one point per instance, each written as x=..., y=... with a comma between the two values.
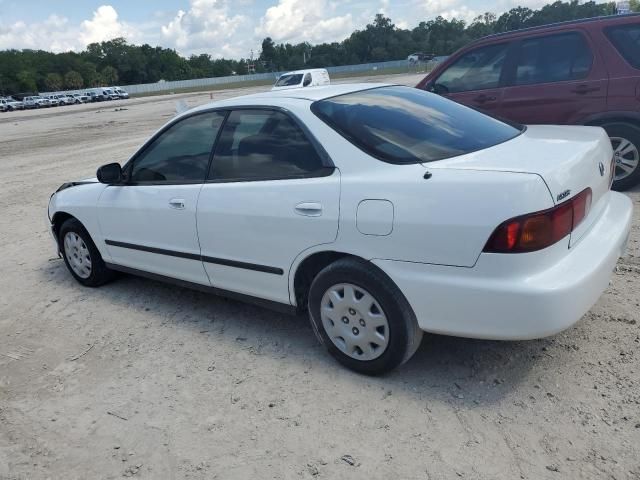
x=407, y=125
x=626, y=39
x=553, y=58
x=478, y=69
x=263, y=145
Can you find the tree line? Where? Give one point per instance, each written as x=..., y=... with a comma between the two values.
x=118, y=62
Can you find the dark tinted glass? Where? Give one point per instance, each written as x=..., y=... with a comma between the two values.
x=289, y=80
x=553, y=59
x=260, y=145
x=181, y=153
x=407, y=125
x=478, y=69
x=626, y=39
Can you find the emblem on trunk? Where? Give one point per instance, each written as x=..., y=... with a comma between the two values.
x=601, y=167
x=563, y=195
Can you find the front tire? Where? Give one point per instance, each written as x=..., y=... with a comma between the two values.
x=625, y=140
x=362, y=318
x=81, y=256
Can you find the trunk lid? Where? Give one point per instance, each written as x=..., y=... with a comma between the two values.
x=568, y=158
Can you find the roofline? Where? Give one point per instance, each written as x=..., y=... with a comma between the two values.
x=557, y=24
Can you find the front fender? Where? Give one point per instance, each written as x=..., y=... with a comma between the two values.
x=80, y=201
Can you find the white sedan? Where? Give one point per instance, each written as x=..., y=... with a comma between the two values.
x=384, y=211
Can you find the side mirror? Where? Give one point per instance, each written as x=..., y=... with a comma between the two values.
x=111, y=174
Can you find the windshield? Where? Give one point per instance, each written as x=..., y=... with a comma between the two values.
x=407, y=125
x=289, y=80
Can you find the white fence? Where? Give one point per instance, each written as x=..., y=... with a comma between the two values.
x=207, y=82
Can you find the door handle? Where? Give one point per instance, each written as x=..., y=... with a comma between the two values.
x=582, y=89
x=177, y=203
x=484, y=98
x=309, y=209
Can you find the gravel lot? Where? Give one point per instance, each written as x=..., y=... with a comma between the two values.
x=143, y=379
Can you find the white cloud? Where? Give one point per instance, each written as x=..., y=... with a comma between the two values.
x=459, y=13
x=105, y=25
x=208, y=27
x=304, y=20
x=57, y=34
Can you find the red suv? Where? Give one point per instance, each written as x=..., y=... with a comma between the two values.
x=584, y=72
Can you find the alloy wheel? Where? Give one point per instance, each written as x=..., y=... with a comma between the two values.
x=626, y=157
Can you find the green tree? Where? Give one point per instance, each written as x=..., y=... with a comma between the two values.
x=53, y=82
x=73, y=80
x=26, y=81
x=635, y=5
x=109, y=75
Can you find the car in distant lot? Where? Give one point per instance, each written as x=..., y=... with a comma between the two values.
x=584, y=72
x=4, y=105
x=13, y=104
x=420, y=57
x=109, y=94
x=36, y=101
x=93, y=96
x=120, y=92
x=302, y=78
x=66, y=99
x=54, y=100
x=80, y=98
x=383, y=211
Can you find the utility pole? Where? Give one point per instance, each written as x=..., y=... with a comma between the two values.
x=251, y=67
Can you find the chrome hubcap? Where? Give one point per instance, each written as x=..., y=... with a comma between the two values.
x=77, y=254
x=626, y=157
x=354, y=321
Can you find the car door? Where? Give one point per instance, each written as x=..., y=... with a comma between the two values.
x=271, y=194
x=475, y=78
x=149, y=222
x=555, y=79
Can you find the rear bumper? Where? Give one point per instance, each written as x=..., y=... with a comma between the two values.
x=519, y=296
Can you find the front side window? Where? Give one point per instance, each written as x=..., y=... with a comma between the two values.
x=181, y=153
x=553, y=58
x=626, y=39
x=407, y=125
x=262, y=145
x=478, y=69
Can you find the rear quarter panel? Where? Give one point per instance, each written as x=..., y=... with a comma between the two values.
x=444, y=220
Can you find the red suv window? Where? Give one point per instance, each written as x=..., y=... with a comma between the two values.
x=477, y=69
x=553, y=58
x=626, y=39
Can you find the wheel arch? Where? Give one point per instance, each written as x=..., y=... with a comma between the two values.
x=58, y=219
x=306, y=268
x=631, y=118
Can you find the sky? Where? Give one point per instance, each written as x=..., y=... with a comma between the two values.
x=221, y=28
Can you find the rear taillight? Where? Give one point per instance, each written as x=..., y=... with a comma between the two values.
x=539, y=230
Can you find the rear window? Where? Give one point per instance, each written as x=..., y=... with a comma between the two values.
x=289, y=80
x=626, y=39
x=407, y=125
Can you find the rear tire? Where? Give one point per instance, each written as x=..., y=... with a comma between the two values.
x=362, y=318
x=625, y=156
x=81, y=256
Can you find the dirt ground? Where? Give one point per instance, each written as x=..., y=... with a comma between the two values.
x=143, y=379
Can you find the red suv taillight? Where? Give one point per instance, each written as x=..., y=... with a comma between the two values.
x=538, y=230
